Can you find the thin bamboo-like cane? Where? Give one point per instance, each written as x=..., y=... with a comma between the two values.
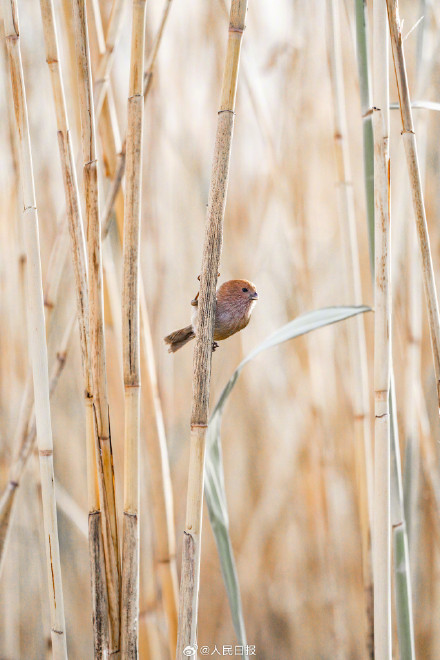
x=161, y=490
x=162, y=496
x=356, y=330
x=106, y=60
x=53, y=277
x=97, y=341
x=148, y=78
x=402, y=583
x=73, y=207
x=367, y=126
x=24, y=440
x=413, y=458
x=130, y=338
x=37, y=332
x=190, y=574
x=382, y=340
x=410, y=144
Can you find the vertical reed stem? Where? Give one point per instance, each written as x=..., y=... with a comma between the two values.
x=402, y=581
x=357, y=345
x=367, y=125
x=73, y=207
x=97, y=340
x=130, y=338
x=111, y=39
x=148, y=77
x=410, y=144
x=161, y=490
x=37, y=332
x=189, y=590
x=382, y=340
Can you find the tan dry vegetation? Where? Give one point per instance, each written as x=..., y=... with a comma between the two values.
x=288, y=429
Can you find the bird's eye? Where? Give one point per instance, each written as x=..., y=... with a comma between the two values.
x=245, y=290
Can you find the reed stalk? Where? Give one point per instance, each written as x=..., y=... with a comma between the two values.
x=157, y=452
x=367, y=117
x=161, y=489
x=97, y=340
x=382, y=340
x=23, y=443
x=162, y=493
x=130, y=337
x=356, y=330
x=54, y=273
x=79, y=258
x=112, y=193
x=190, y=574
x=402, y=583
x=410, y=145
x=413, y=473
x=37, y=342
x=106, y=60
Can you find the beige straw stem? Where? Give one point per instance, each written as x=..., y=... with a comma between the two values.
x=410, y=145
x=97, y=340
x=148, y=77
x=106, y=60
x=356, y=330
x=157, y=452
x=24, y=440
x=161, y=489
x=131, y=339
x=73, y=207
x=190, y=574
x=37, y=331
x=382, y=340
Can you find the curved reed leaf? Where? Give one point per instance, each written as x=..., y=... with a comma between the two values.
x=214, y=476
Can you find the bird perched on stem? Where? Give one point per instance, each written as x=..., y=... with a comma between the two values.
x=235, y=301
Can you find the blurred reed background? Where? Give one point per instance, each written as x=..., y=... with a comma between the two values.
x=289, y=427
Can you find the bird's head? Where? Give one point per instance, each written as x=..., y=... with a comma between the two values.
x=241, y=293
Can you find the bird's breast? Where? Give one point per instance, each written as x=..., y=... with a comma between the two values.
x=229, y=318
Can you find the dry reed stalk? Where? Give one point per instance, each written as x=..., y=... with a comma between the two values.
x=131, y=339
x=356, y=330
x=24, y=440
x=50, y=291
x=429, y=457
x=161, y=490
x=362, y=51
x=26, y=420
x=69, y=45
x=148, y=78
x=73, y=207
x=37, y=334
x=55, y=268
x=382, y=340
x=97, y=340
x=410, y=144
x=106, y=59
x=413, y=373
x=402, y=582
x=425, y=57
x=190, y=574
x=150, y=634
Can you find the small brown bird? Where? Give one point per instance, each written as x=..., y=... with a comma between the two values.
x=235, y=302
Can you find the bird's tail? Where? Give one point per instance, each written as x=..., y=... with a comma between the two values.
x=179, y=338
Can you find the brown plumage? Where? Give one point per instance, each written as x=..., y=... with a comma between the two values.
x=235, y=302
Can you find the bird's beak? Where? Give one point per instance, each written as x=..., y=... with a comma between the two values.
x=254, y=296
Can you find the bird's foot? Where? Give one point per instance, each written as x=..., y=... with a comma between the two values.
x=214, y=346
